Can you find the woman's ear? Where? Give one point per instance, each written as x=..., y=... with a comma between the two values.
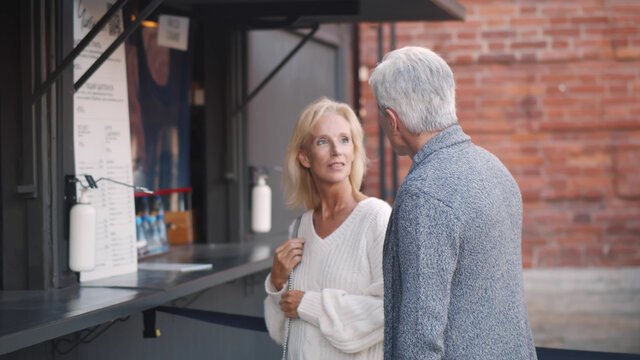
x=303, y=159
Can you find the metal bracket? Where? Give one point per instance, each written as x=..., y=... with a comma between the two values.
x=273, y=72
x=51, y=79
x=68, y=60
x=144, y=14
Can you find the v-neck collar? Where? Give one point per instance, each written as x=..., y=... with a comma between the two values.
x=340, y=227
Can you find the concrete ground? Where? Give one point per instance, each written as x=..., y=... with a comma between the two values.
x=595, y=309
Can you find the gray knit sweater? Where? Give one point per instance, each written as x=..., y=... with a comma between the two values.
x=452, y=260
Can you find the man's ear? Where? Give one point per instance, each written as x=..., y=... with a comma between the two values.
x=304, y=159
x=394, y=121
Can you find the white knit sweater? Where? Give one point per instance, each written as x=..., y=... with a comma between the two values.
x=341, y=313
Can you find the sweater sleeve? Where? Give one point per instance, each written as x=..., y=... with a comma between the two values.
x=273, y=315
x=428, y=244
x=351, y=322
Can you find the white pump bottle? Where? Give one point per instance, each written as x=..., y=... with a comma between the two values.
x=261, y=206
x=82, y=235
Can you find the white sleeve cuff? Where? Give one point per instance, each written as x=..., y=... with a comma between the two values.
x=310, y=308
x=271, y=289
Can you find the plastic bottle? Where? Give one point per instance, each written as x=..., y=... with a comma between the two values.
x=160, y=224
x=159, y=205
x=82, y=235
x=145, y=206
x=146, y=229
x=162, y=231
x=153, y=237
x=140, y=235
x=261, y=206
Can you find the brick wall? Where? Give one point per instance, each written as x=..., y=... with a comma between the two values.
x=552, y=88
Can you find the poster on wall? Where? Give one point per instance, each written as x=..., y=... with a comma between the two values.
x=102, y=141
x=159, y=78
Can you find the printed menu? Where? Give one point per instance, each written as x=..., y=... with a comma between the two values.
x=102, y=141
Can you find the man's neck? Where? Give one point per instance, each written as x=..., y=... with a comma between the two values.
x=416, y=142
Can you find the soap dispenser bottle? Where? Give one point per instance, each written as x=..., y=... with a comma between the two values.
x=261, y=206
x=82, y=235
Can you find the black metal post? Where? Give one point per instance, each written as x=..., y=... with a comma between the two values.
x=383, y=170
x=394, y=159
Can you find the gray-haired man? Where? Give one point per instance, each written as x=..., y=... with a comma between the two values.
x=452, y=255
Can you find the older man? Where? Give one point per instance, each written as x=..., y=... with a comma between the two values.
x=452, y=255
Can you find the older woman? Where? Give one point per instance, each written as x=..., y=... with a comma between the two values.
x=336, y=307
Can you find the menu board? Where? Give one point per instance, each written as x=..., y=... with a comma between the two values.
x=102, y=141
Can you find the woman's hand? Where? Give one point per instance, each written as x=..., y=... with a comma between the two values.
x=290, y=301
x=285, y=257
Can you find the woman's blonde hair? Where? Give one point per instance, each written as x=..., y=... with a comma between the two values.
x=299, y=188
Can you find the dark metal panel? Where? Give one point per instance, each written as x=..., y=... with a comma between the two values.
x=398, y=10
x=12, y=219
x=14, y=84
x=329, y=11
x=61, y=274
x=38, y=229
x=236, y=127
x=234, y=11
x=213, y=213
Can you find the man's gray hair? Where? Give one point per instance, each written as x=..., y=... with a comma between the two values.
x=418, y=85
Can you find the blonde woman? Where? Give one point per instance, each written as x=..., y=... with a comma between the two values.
x=336, y=306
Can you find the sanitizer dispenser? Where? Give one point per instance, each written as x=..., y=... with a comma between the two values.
x=82, y=235
x=261, y=206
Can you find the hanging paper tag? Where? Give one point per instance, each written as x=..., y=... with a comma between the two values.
x=173, y=32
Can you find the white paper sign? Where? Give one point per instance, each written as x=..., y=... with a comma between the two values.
x=173, y=32
x=102, y=142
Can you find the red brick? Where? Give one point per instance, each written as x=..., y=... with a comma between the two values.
x=575, y=239
x=559, y=101
x=524, y=160
x=627, y=7
x=558, y=20
x=586, y=89
x=498, y=34
x=558, y=56
x=497, y=46
x=619, y=100
x=528, y=9
x=527, y=21
x=527, y=34
x=529, y=44
x=631, y=53
x=560, y=44
x=624, y=30
x=498, y=9
x=617, y=77
x=563, y=170
x=573, y=32
x=618, y=43
x=590, y=20
x=496, y=22
x=464, y=59
x=467, y=35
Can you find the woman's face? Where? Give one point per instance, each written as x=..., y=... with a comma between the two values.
x=328, y=150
